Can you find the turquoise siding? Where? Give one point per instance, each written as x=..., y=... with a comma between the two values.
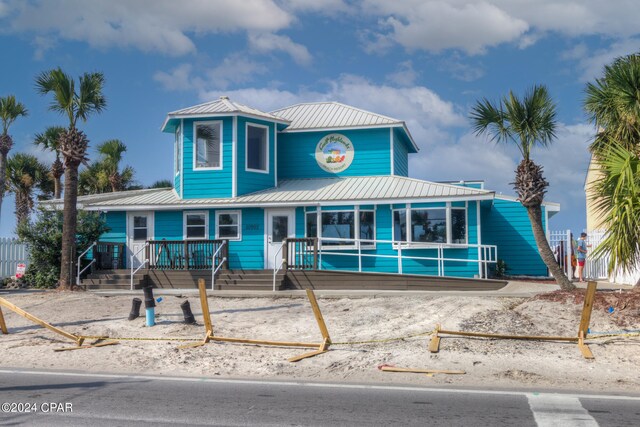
x=386, y=260
x=505, y=223
x=207, y=183
x=296, y=154
x=176, y=184
x=117, y=223
x=249, y=182
x=400, y=156
x=249, y=252
x=168, y=225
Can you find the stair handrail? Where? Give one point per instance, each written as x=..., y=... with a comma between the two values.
x=277, y=267
x=90, y=264
x=146, y=245
x=215, y=269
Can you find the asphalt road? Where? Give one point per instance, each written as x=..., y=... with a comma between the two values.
x=74, y=399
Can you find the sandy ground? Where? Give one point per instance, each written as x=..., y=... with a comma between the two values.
x=487, y=362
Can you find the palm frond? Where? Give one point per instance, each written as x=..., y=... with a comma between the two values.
x=10, y=110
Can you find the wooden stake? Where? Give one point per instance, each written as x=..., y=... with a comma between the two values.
x=3, y=326
x=265, y=342
x=420, y=371
x=434, y=344
x=204, y=303
x=584, y=349
x=21, y=312
x=306, y=355
x=511, y=337
x=318, y=314
x=585, y=319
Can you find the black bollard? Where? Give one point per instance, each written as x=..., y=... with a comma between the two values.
x=135, y=309
x=149, y=302
x=188, y=315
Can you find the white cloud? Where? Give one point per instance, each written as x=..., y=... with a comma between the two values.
x=149, y=25
x=42, y=44
x=405, y=75
x=461, y=69
x=591, y=64
x=325, y=7
x=473, y=26
x=235, y=69
x=267, y=42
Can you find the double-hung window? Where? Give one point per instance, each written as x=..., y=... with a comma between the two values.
x=207, y=147
x=342, y=228
x=257, y=148
x=196, y=225
x=229, y=225
x=445, y=225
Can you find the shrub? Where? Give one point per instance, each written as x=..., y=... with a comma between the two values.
x=44, y=241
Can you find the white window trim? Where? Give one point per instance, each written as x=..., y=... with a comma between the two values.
x=246, y=148
x=466, y=223
x=177, y=162
x=224, y=212
x=356, y=224
x=409, y=244
x=195, y=145
x=206, y=225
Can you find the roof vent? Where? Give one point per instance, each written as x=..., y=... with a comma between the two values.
x=224, y=97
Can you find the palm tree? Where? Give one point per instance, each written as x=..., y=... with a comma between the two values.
x=613, y=104
x=50, y=140
x=526, y=123
x=10, y=110
x=23, y=176
x=75, y=104
x=112, y=151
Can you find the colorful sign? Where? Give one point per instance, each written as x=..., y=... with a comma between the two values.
x=334, y=153
x=20, y=269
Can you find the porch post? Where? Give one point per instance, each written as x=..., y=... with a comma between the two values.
x=186, y=254
x=315, y=253
x=285, y=254
x=225, y=254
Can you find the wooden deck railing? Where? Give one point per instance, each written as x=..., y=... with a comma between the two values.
x=109, y=255
x=301, y=253
x=185, y=254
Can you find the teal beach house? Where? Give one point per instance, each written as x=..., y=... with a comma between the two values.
x=301, y=193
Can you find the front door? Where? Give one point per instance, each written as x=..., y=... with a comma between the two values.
x=280, y=225
x=139, y=230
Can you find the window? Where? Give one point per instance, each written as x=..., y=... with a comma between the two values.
x=207, y=153
x=367, y=226
x=257, y=148
x=431, y=225
x=458, y=225
x=338, y=225
x=312, y=224
x=196, y=225
x=229, y=225
x=140, y=228
x=178, y=149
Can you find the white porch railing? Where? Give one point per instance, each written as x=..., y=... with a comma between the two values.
x=89, y=265
x=487, y=254
x=277, y=266
x=142, y=264
x=214, y=268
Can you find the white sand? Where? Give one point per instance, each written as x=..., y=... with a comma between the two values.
x=504, y=363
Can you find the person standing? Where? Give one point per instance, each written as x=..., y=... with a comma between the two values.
x=581, y=254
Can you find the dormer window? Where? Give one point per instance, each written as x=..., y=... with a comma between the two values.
x=257, y=148
x=207, y=153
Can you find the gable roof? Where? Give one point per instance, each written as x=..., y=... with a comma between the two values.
x=294, y=192
x=220, y=107
x=335, y=115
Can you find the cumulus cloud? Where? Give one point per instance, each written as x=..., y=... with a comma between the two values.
x=405, y=75
x=326, y=7
x=162, y=26
x=591, y=63
x=473, y=26
x=268, y=42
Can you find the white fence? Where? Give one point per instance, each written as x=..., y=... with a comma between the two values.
x=12, y=253
x=563, y=245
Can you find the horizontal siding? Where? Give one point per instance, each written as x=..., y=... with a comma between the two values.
x=400, y=156
x=168, y=225
x=506, y=225
x=207, y=183
x=176, y=184
x=249, y=252
x=296, y=154
x=249, y=182
x=117, y=223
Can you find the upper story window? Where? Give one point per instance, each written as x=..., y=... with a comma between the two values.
x=257, y=148
x=178, y=150
x=207, y=150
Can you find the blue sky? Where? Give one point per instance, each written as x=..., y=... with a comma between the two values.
x=425, y=62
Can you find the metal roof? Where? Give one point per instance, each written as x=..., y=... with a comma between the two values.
x=322, y=115
x=221, y=106
x=298, y=192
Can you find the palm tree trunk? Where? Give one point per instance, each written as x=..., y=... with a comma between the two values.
x=3, y=176
x=69, y=224
x=57, y=187
x=23, y=203
x=535, y=217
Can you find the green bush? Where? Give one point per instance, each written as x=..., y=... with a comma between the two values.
x=44, y=240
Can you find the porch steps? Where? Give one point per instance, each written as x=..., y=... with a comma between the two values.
x=114, y=280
